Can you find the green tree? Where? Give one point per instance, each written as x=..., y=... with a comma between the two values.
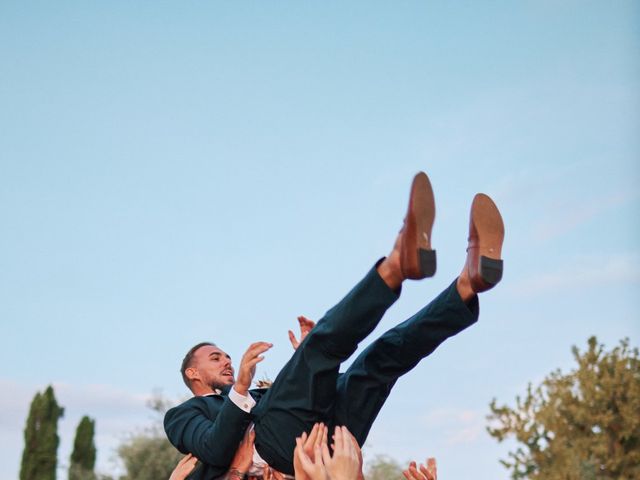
x=581, y=425
x=83, y=457
x=148, y=455
x=383, y=467
x=39, y=458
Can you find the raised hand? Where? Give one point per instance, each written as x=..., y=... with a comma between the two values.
x=305, y=327
x=345, y=462
x=313, y=469
x=317, y=436
x=358, y=451
x=430, y=472
x=243, y=459
x=248, y=364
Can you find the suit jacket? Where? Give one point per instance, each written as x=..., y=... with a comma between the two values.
x=211, y=428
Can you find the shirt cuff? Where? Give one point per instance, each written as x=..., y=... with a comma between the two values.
x=243, y=402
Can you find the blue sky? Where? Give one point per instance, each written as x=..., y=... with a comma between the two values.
x=178, y=171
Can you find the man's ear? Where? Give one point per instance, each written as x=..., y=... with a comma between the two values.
x=192, y=374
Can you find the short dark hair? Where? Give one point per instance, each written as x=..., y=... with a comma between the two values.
x=188, y=360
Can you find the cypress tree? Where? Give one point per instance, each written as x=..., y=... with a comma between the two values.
x=39, y=458
x=83, y=457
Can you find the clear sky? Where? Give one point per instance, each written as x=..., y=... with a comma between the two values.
x=172, y=172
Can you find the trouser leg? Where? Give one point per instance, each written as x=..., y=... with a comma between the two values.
x=304, y=391
x=365, y=386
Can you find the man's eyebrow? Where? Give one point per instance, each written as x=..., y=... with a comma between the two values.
x=215, y=354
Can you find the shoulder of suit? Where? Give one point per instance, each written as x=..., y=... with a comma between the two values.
x=216, y=399
x=196, y=403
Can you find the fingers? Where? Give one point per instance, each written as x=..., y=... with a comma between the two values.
x=326, y=455
x=432, y=468
x=313, y=435
x=253, y=355
x=338, y=439
x=412, y=473
x=345, y=462
x=355, y=445
x=255, y=349
x=350, y=436
x=305, y=324
x=317, y=436
x=317, y=451
x=305, y=327
x=348, y=444
x=324, y=434
x=184, y=467
x=426, y=473
x=191, y=464
x=188, y=459
x=305, y=461
x=248, y=363
x=294, y=341
x=300, y=472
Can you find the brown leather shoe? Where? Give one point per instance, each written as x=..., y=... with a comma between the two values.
x=486, y=234
x=417, y=259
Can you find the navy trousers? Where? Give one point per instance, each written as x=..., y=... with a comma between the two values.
x=309, y=388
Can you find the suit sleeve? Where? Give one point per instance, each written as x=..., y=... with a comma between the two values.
x=193, y=427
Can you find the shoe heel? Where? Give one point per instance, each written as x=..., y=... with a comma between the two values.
x=490, y=270
x=427, y=262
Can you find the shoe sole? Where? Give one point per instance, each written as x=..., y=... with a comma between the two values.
x=489, y=227
x=419, y=225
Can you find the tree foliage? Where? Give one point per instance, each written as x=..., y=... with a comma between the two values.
x=39, y=458
x=83, y=456
x=148, y=455
x=382, y=467
x=581, y=425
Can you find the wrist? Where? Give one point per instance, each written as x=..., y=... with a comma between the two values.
x=241, y=388
x=236, y=474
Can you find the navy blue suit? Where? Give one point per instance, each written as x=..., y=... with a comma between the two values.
x=309, y=389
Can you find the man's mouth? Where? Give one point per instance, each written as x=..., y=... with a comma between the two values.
x=227, y=373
